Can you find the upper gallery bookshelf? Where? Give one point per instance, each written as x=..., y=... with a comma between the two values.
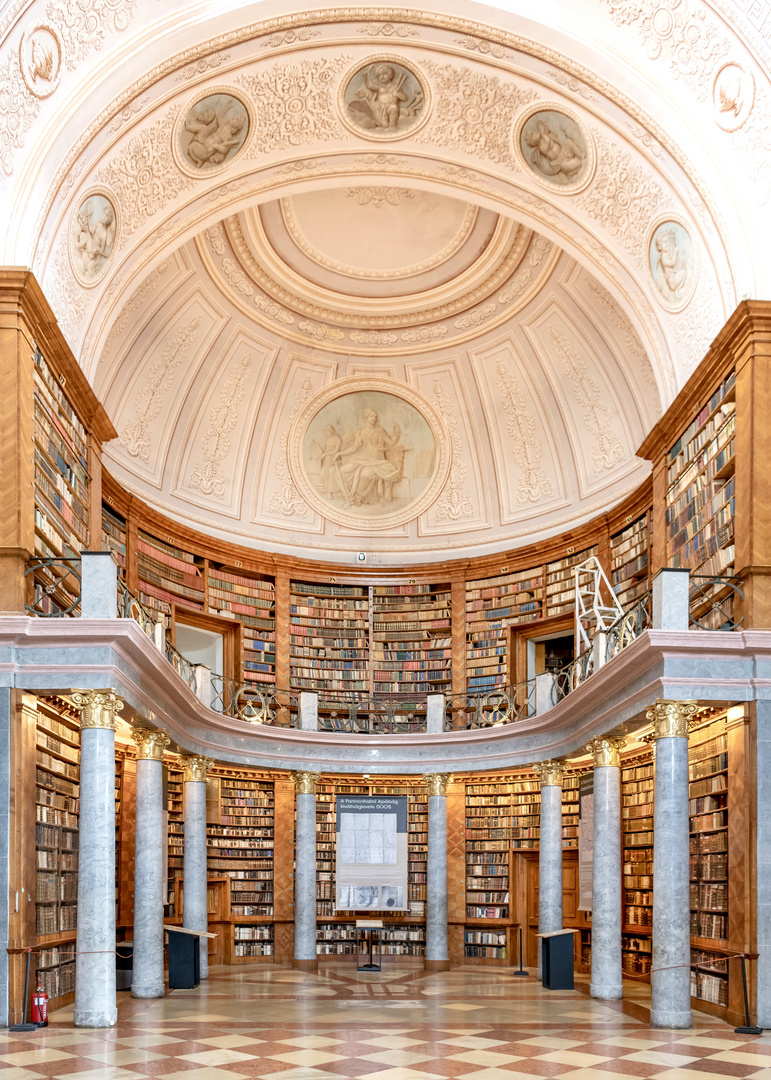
x=329, y=630
x=630, y=561
x=61, y=488
x=250, y=599
x=411, y=639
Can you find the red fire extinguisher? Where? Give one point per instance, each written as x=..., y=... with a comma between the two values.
x=40, y=1007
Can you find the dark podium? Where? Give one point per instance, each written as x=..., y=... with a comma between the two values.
x=184, y=957
x=557, y=959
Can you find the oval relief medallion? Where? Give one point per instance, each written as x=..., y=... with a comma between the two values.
x=93, y=231
x=673, y=263
x=212, y=132
x=40, y=59
x=555, y=148
x=733, y=95
x=384, y=98
x=369, y=454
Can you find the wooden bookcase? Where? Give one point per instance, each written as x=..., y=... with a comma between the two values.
x=630, y=561
x=412, y=639
x=492, y=606
x=330, y=632
x=251, y=600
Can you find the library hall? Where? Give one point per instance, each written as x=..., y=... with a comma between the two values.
x=385, y=540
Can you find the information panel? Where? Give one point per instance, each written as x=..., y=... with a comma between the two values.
x=371, y=859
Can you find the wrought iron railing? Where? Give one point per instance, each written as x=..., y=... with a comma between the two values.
x=55, y=585
x=371, y=714
x=130, y=607
x=182, y=666
x=712, y=602
x=635, y=620
x=572, y=675
x=491, y=708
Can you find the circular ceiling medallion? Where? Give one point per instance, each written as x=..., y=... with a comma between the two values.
x=92, y=234
x=733, y=95
x=673, y=261
x=212, y=132
x=40, y=59
x=386, y=97
x=555, y=148
x=369, y=454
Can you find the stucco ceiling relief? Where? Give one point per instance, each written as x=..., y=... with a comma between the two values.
x=276, y=500
x=212, y=455
x=463, y=502
x=528, y=471
x=155, y=391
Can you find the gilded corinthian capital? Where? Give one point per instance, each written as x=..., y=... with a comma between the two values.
x=438, y=783
x=195, y=768
x=550, y=773
x=670, y=718
x=305, y=782
x=98, y=708
x=150, y=744
x=606, y=750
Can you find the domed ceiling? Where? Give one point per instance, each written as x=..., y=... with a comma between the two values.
x=510, y=390
x=394, y=280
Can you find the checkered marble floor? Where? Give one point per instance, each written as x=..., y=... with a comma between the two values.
x=403, y=1024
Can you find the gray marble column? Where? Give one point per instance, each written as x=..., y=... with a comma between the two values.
x=606, y=869
x=95, y=1002
x=762, y=896
x=147, y=980
x=437, y=957
x=549, y=851
x=670, y=969
x=195, y=873
x=305, y=956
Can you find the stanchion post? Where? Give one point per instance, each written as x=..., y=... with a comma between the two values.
x=748, y=1029
x=521, y=973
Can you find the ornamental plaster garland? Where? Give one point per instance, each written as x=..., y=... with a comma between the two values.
x=208, y=475
x=454, y=503
x=294, y=104
x=286, y=499
x=527, y=451
x=608, y=451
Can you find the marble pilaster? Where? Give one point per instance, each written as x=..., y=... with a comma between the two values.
x=671, y=953
x=437, y=957
x=305, y=956
x=194, y=901
x=95, y=1003
x=147, y=980
x=549, y=851
x=606, y=869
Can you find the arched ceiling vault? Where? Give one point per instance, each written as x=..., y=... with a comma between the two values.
x=536, y=227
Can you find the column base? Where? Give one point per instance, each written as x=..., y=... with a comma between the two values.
x=606, y=993
x=436, y=965
x=665, y=1018
x=96, y=1018
x=152, y=990
x=305, y=965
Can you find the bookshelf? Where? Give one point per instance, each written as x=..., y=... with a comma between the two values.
x=560, y=589
x=411, y=639
x=637, y=861
x=489, y=832
x=175, y=810
x=492, y=605
x=114, y=537
x=251, y=600
x=168, y=575
x=708, y=817
x=118, y=802
x=61, y=488
x=630, y=560
x=329, y=633
x=700, y=495
x=57, y=792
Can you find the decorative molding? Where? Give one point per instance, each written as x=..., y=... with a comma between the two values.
x=136, y=434
x=550, y=773
x=290, y=37
x=438, y=783
x=454, y=503
x=204, y=66
x=527, y=451
x=372, y=337
x=388, y=30
x=473, y=111
x=607, y=452
x=195, y=768
x=305, y=782
x=286, y=499
x=379, y=194
x=208, y=475
x=671, y=719
x=294, y=104
x=150, y=744
x=606, y=750
x=98, y=708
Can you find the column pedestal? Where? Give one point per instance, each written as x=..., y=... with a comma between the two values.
x=606, y=870
x=549, y=851
x=147, y=979
x=95, y=1001
x=305, y=956
x=195, y=874
x=671, y=954
x=437, y=957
